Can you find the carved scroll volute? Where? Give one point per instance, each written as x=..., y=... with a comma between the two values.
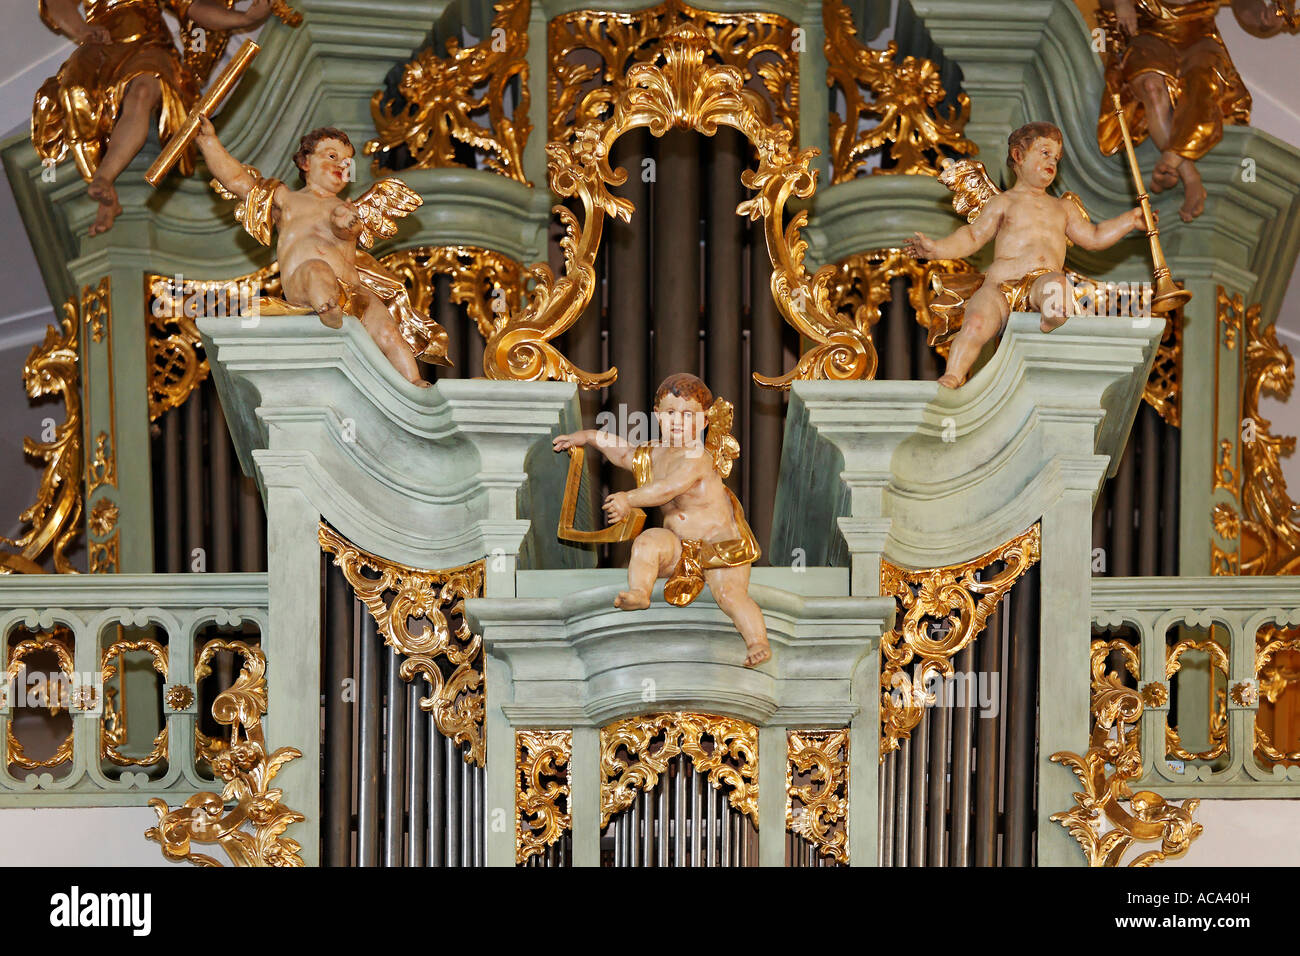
x=683, y=92
x=542, y=790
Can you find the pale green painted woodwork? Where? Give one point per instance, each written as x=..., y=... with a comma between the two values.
x=1238, y=608
x=179, y=605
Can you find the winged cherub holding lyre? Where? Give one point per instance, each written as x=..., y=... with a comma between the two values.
x=321, y=268
x=705, y=538
x=1030, y=229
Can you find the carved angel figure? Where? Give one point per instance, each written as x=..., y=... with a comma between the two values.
x=1030, y=230
x=321, y=268
x=1167, y=61
x=127, y=66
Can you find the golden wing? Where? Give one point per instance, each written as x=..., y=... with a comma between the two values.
x=379, y=205
x=718, y=440
x=970, y=184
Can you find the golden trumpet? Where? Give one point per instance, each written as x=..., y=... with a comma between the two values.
x=218, y=90
x=1167, y=295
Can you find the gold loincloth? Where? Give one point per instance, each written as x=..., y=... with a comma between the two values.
x=1183, y=46
x=951, y=291
x=687, y=580
x=76, y=109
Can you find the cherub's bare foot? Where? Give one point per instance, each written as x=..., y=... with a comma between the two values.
x=632, y=600
x=759, y=651
x=109, y=208
x=1164, y=176
x=1194, y=196
x=1050, y=322
x=420, y=383
x=331, y=315
x=950, y=381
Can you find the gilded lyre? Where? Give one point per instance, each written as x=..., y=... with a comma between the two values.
x=625, y=530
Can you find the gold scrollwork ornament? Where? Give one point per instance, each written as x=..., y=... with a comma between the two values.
x=542, y=784
x=818, y=810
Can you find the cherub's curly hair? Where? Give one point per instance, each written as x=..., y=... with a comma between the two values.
x=307, y=145
x=1024, y=137
x=687, y=386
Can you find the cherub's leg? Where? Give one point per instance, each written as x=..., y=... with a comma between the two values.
x=1053, y=298
x=984, y=316
x=143, y=95
x=379, y=323
x=1152, y=90
x=654, y=555
x=314, y=286
x=730, y=588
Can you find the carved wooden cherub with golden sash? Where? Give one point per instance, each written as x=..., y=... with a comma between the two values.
x=1176, y=81
x=321, y=268
x=1030, y=229
x=705, y=538
x=126, y=66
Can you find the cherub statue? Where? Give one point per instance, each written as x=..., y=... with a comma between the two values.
x=1167, y=62
x=126, y=67
x=705, y=538
x=321, y=268
x=1031, y=230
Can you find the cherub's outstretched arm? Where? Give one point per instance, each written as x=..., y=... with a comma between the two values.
x=1125, y=11
x=1262, y=18
x=1101, y=235
x=229, y=171
x=211, y=15
x=66, y=15
x=615, y=448
x=966, y=241
x=660, y=491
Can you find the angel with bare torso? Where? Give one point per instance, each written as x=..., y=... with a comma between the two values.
x=321, y=267
x=1030, y=230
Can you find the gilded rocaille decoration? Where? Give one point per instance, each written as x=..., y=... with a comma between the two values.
x=1218, y=728
x=1163, y=391
x=179, y=697
x=208, y=749
x=401, y=598
x=542, y=789
x=103, y=517
x=862, y=284
x=1275, y=679
x=59, y=642
x=678, y=89
x=1116, y=710
x=113, y=734
x=488, y=284
x=903, y=98
x=96, y=308
x=103, y=555
x=817, y=804
x=941, y=611
x=760, y=45
x=176, y=362
x=102, y=468
x=439, y=98
x=635, y=751
x=248, y=769
x=54, y=519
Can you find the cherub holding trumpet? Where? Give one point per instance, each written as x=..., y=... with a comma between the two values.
x=1030, y=230
x=321, y=268
x=705, y=538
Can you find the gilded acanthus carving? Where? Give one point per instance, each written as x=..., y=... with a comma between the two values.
x=941, y=611
x=247, y=769
x=413, y=609
x=635, y=751
x=58, y=642
x=1218, y=726
x=762, y=46
x=817, y=809
x=1114, y=747
x=542, y=789
x=53, y=520
x=681, y=91
x=440, y=101
x=113, y=732
x=490, y=285
x=904, y=98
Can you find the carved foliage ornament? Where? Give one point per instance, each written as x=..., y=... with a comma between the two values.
x=1219, y=718
x=438, y=99
x=490, y=285
x=761, y=46
x=248, y=770
x=1148, y=817
x=450, y=660
x=60, y=643
x=942, y=610
x=683, y=92
x=905, y=97
x=112, y=730
x=542, y=790
x=650, y=743
x=818, y=808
